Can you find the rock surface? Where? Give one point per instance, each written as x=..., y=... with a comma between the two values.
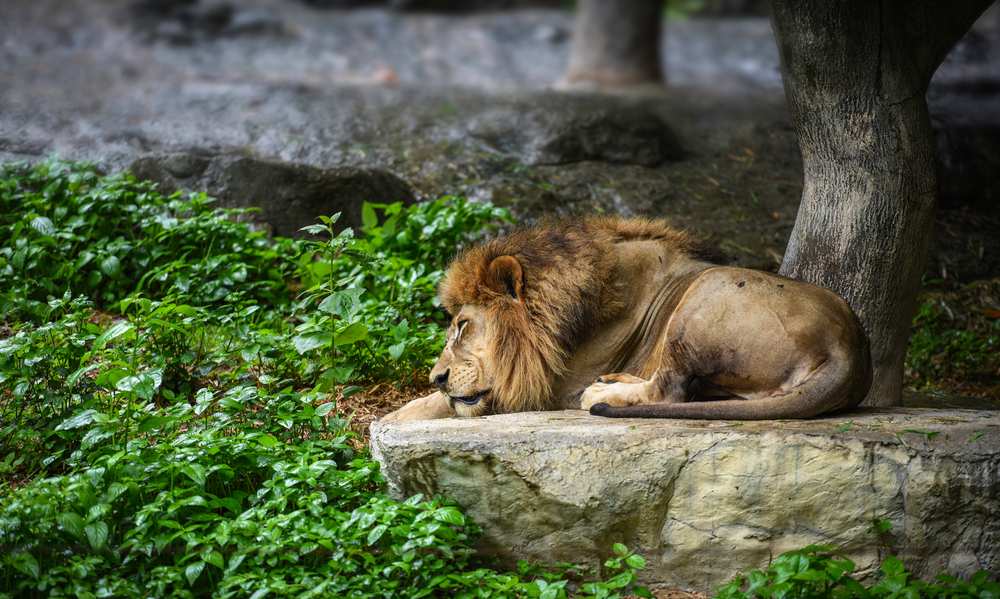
x=290, y=196
x=705, y=500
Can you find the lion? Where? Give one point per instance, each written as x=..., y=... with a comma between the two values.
x=626, y=317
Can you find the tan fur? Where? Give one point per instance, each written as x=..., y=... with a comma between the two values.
x=539, y=313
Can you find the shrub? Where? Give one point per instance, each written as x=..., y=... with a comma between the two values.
x=818, y=571
x=168, y=427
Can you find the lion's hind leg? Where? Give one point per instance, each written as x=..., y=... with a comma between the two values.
x=621, y=390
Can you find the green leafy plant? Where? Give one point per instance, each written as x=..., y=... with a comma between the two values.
x=956, y=339
x=335, y=307
x=819, y=571
x=167, y=427
x=65, y=228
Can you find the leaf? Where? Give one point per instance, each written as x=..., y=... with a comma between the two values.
x=313, y=229
x=549, y=592
x=72, y=523
x=25, y=562
x=396, y=350
x=376, y=533
x=336, y=375
x=111, y=266
x=75, y=377
x=345, y=303
x=77, y=420
x=310, y=341
x=215, y=558
x=811, y=576
x=881, y=526
x=43, y=225
x=193, y=571
x=97, y=511
x=350, y=390
x=143, y=385
x=389, y=226
x=368, y=217
x=268, y=441
x=325, y=409
x=97, y=534
x=892, y=566
x=152, y=423
x=636, y=562
x=619, y=549
x=352, y=334
x=619, y=581
x=196, y=472
x=113, y=332
x=450, y=515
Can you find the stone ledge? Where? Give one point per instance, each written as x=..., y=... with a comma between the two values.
x=704, y=500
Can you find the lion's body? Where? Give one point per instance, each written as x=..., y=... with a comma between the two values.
x=542, y=313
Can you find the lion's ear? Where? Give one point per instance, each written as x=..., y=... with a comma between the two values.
x=506, y=276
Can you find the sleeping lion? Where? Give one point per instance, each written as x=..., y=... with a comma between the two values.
x=624, y=317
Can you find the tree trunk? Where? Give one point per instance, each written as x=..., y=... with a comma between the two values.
x=855, y=75
x=616, y=43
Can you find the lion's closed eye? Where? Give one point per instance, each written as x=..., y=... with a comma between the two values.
x=460, y=328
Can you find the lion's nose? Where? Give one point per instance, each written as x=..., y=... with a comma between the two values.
x=442, y=379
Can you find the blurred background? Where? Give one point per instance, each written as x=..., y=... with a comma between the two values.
x=307, y=107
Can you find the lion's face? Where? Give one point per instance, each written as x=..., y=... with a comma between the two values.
x=465, y=370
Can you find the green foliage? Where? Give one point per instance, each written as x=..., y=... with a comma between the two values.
x=66, y=229
x=949, y=342
x=818, y=571
x=166, y=426
x=367, y=313
x=371, y=299
x=223, y=496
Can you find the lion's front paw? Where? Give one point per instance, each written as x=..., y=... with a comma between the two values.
x=435, y=405
x=613, y=394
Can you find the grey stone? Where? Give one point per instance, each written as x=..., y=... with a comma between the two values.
x=289, y=195
x=551, y=130
x=259, y=21
x=705, y=500
x=617, y=136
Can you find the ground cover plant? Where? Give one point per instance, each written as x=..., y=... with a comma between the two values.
x=820, y=571
x=174, y=404
x=169, y=387
x=955, y=341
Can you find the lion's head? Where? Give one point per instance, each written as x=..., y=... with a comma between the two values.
x=520, y=304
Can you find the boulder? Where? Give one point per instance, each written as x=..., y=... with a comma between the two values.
x=185, y=22
x=705, y=500
x=290, y=196
x=552, y=129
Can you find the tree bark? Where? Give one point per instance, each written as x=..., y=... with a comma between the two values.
x=616, y=43
x=855, y=74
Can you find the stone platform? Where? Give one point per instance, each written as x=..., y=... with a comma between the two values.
x=705, y=500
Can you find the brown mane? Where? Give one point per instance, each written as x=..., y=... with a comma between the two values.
x=568, y=290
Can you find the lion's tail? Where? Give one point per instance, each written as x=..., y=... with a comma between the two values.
x=837, y=385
